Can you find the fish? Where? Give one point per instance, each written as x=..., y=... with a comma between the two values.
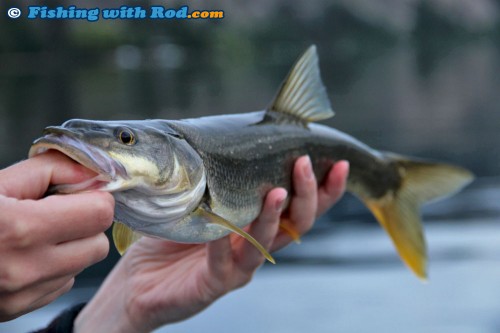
x=197, y=180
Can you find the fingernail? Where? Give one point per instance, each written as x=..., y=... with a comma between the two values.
x=345, y=162
x=348, y=164
x=280, y=202
x=307, y=169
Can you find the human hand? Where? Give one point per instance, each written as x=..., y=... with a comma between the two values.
x=310, y=201
x=45, y=242
x=159, y=282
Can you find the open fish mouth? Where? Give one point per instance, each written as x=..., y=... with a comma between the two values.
x=110, y=172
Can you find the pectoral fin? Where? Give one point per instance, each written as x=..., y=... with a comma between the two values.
x=124, y=237
x=216, y=219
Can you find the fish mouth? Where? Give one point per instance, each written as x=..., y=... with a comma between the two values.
x=109, y=171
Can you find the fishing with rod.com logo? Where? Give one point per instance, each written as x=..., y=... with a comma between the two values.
x=122, y=12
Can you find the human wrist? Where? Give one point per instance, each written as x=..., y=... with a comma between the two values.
x=106, y=312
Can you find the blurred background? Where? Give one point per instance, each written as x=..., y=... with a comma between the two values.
x=417, y=77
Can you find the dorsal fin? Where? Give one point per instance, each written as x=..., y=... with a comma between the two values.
x=303, y=94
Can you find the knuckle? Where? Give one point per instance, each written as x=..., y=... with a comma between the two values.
x=17, y=234
x=74, y=267
x=101, y=248
x=104, y=248
x=243, y=280
x=20, y=234
x=311, y=187
x=6, y=285
x=67, y=287
x=104, y=208
x=11, y=280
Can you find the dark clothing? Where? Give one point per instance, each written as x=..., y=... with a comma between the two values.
x=64, y=322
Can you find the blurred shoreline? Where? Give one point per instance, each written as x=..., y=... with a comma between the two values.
x=416, y=77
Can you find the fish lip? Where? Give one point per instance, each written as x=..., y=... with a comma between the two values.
x=67, y=142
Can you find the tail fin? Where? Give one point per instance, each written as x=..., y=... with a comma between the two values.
x=399, y=212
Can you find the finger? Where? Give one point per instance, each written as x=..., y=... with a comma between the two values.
x=35, y=294
x=52, y=296
x=32, y=298
x=74, y=256
x=219, y=251
x=334, y=186
x=30, y=179
x=219, y=265
x=301, y=212
x=62, y=218
x=263, y=229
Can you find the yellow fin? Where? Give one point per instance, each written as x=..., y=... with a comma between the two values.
x=403, y=225
x=398, y=212
x=124, y=237
x=290, y=231
x=216, y=219
x=427, y=181
x=302, y=94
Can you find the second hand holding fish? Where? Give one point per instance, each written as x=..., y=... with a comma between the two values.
x=159, y=282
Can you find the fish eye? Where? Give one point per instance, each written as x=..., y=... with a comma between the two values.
x=126, y=137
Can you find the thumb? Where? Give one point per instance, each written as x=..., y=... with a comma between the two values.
x=30, y=179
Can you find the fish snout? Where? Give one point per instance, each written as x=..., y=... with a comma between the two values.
x=57, y=130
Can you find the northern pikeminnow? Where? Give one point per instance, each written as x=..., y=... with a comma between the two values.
x=196, y=180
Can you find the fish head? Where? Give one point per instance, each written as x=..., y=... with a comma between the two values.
x=144, y=155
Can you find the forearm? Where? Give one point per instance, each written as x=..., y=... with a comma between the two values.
x=106, y=312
